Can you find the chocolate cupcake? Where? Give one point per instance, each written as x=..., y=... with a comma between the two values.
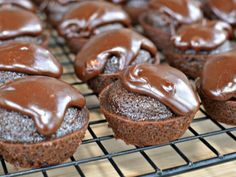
x=25, y=4
x=167, y=15
x=42, y=121
x=192, y=45
x=222, y=10
x=133, y=7
x=18, y=24
x=55, y=9
x=90, y=18
x=100, y=60
x=149, y=104
x=217, y=87
x=21, y=59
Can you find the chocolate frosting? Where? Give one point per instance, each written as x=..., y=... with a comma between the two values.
x=206, y=35
x=15, y=22
x=117, y=1
x=26, y=4
x=184, y=11
x=28, y=58
x=224, y=9
x=44, y=99
x=164, y=83
x=82, y=20
x=124, y=44
x=218, y=80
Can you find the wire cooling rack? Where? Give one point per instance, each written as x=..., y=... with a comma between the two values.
x=206, y=142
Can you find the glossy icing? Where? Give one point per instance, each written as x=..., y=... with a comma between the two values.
x=15, y=22
x=218, y=81
x=224, y=9
x=85, y=17
x=28, y=58
x=206, y=35
x=167, y=84
x=44, y=99
x=124, y=44
x=184, y=11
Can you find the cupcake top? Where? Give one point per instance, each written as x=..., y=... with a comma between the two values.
x=124, y=44
x=85, y=17
x=43, y=99
x=117, y=1
x=218, y=80
x=15, y=22
x=184, y=11
x=206, y=35
x=224, y=10
x=28, y=58
x=26, y=4
x=164, y=83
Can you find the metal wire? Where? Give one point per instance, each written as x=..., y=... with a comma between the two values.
x=157, y=171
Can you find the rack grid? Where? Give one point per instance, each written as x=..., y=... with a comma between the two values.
x=59, y=49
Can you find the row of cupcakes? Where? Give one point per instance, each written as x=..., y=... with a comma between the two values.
x=42, y=119
x=145, y=103
x=176, y=27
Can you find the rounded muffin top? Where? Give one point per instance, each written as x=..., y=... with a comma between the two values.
x=184, y=11
x=224, y=10
x=218, y=79
x=16, y=22
x=164, y=83
x=86, y=16
x=123, y=44
x=206, y=35
x=44, y=99
x=28, y=58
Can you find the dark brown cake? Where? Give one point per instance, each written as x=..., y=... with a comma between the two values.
x=104, y=55
x=217, y=87
x=164, y=16
x=42, y=121
x=18, y=24
x=90, y=18
x=193, y=45
x=21, y=59
x=149, y=104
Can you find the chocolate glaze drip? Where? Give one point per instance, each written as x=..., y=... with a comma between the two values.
x=44, y=99
x=225, y=10
x=218, y=80
x=184, y=11
x=17, y=22
x=26, y=4
x=28, y=58
x=117, y=1
x=124, y=44
x=87, y=16
x=170, y=86
x=206, y=35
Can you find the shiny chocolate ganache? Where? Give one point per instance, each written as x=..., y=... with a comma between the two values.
x=28, y=58
x=15, y=22
x=184, y=11
x=206, y=35
x=164, y=83
x=124, y=44
x=224, y=10
x=218, y=80
x=26, y=4
x=84, y=19
x=44, y=99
